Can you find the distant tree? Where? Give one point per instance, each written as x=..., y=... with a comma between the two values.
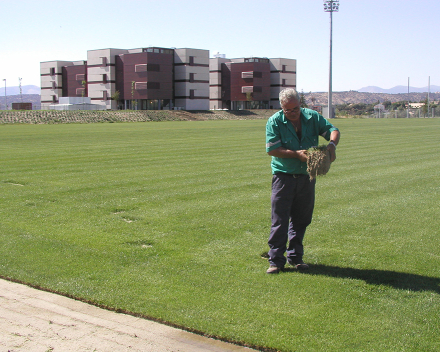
x=302, y=100
x=133, y=101
x=425, y=106
x=313, y=99
x=400, y=105
x=386, y=104
x=115, y=97
x=83, y=91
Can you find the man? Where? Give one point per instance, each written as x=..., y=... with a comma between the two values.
x=289, y=133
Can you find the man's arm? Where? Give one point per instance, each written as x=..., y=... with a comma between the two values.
x=282, y=152
x=331, y=147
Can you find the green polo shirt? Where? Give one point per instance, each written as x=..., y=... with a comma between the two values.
x=281, y=133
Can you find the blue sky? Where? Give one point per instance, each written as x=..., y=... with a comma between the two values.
x=375, y=42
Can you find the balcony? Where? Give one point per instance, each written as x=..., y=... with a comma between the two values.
x=140, y=68
x=247, y=75
x=141, y=85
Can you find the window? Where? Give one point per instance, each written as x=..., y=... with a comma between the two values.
x=52, y=71
x=104, y=95
x=80, y=77
x=104, y=78
x=146, y=85
x=191, y=77
x=146, y=67
x=54, y=84
x=157, y=50
x=251, y=89
x=54, y=98
x=80, y=92
x=104, y=61
x=191, y=60
x=140, y=68
x=192, y=93
x=153, y=67
x=153, y=85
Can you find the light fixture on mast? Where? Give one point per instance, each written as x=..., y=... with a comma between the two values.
x=330, y=6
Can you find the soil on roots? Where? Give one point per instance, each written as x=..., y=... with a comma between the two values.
x=318, y=161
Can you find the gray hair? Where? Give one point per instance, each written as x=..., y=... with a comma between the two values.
x=288, y=94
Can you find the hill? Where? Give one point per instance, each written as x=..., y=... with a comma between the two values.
x=29, y=89
x=27, y=98
x=399, y=89
x=354, y=97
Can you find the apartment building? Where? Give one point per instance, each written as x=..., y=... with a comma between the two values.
x=156, y=78
x=249, y=83
x=144, y=78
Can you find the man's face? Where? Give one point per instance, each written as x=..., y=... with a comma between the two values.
x=291, y=110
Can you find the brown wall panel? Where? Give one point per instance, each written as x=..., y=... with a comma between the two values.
x=237, y=82
x=126, y=73
x=70, y=83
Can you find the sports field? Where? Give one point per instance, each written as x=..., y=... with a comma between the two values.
x=169, y=220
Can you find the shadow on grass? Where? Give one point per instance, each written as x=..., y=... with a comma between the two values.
x=398, y=280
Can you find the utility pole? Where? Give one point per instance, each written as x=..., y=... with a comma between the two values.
x=407, y=110
x=330, y=6
x=6, y=100
x=429, y=88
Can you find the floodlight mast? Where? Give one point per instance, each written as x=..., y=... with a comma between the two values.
x=330, y=6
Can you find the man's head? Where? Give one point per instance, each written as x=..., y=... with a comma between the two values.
x=290, y=103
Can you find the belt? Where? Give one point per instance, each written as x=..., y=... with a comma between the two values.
x=290, y=175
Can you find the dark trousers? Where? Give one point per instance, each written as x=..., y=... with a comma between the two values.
x=293, y=200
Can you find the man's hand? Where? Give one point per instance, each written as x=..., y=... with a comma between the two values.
x=332, y=149
x=302, y=155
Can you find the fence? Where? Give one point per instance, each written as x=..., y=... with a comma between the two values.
x=407, y=113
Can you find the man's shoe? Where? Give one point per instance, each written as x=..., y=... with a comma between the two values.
x=273, y=269
x=300, y=265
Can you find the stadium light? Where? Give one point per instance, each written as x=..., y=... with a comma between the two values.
x=330, y=6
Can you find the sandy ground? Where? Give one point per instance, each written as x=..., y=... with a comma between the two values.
x=34, y=320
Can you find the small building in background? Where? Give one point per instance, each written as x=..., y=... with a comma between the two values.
x=21, y=106
x=76, y=103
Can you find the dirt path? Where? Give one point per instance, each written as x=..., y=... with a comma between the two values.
x=34, y=320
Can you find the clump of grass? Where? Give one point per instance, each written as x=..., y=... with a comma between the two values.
x=318, y=161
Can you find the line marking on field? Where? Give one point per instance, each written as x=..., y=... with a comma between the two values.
x=14, y=184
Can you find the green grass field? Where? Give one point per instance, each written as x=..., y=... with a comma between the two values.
x=169, y=220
